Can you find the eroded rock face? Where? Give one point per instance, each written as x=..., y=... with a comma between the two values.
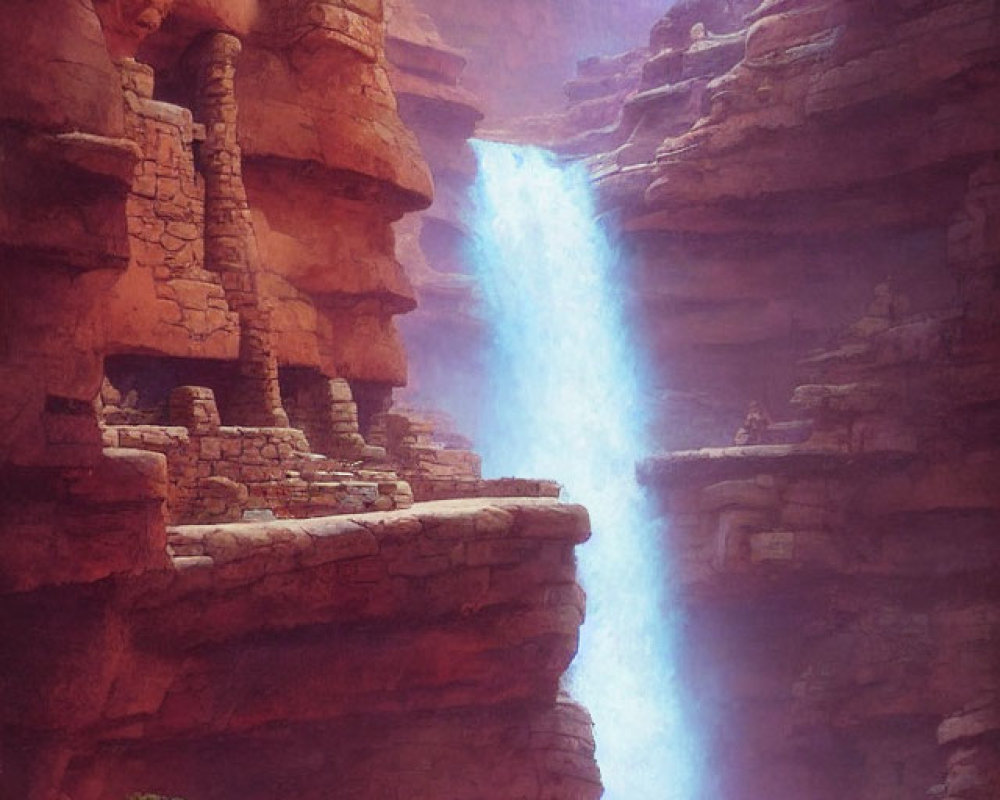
x=809, y=204
x=521, y=51
x=809, y=193
x=211, y=584
x=445, y=336
x=374, y=643
x=63, y=149
x=769, y=186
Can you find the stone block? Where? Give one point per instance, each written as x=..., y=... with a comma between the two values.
x=194, y=408
x=494, y=552
x=413, y=566
x=340, y=392
x=339, y=540
x=210, y=448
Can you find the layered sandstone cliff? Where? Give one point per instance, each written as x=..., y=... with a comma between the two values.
x=444, y=335
x=211, y=583
x=198, y=292
x=520, y=52
x=809, y=194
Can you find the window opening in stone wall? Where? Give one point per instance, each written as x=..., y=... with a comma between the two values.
x=165, y=51
x=372, y=399
x=142, y=384
x=305, y=395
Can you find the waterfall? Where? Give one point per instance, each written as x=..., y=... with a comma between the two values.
x=565, y=392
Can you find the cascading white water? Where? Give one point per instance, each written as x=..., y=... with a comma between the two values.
x=566, y=391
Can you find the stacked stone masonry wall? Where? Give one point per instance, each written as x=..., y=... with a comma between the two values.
x=325, y=410
x=222, y=473
x=437, y=472
x=409, y=438
x=230, y=241
x=166, y=221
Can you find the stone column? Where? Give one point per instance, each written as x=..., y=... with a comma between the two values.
x=230, y=242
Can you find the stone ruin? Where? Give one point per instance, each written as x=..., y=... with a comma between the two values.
x=216, y=541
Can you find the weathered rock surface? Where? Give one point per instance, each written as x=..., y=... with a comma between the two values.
x=772, y=174
x=809, y=192
x=817, y=233
x=198, y=286
x=445, y=335
x=343, y=654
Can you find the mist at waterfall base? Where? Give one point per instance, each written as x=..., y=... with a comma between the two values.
x=565, y=392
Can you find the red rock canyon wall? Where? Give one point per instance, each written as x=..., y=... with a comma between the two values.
x=214, y=581
x=808, y=191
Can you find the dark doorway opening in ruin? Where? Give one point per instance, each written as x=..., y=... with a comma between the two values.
x=167, y=51
x=145, y=382
x=372, y=399
x=305, y=395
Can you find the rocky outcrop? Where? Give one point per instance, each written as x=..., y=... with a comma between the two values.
x=768, y=186
x=198, y=284
x=211, y=583
x=444, y=336
x=521, y=52
x=851, y=578
x=339, y=154
x=812, y=209
x=345, y=654
x=808, y=192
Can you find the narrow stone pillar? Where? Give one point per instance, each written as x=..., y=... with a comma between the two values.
x=194, y=408
x=230, y=242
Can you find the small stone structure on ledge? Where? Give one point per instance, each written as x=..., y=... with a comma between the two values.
x=221, y=473
x=437, y=472
x=246, y=600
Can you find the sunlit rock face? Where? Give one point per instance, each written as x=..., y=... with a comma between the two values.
x=211, y=584
x=409, y=651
